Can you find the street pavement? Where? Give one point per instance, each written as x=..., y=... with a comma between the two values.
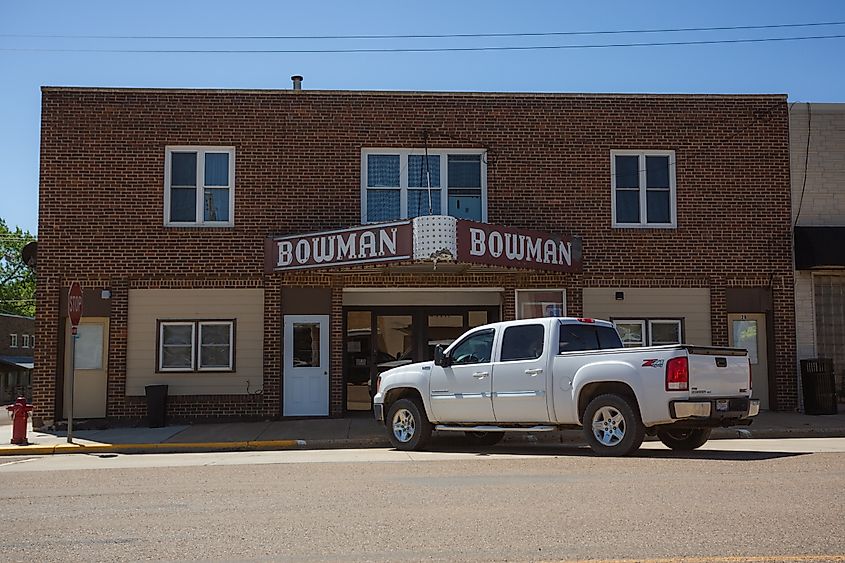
x=352, y=432
x=734, y=500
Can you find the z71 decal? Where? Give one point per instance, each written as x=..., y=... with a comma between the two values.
x=652, y=363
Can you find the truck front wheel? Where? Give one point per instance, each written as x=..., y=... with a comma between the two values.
x=612, y=426
x=684, y=439
x=408, y=426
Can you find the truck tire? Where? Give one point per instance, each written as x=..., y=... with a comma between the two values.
x=612, y=425
x=407, y=425
x=484, y=438
x=684, y=439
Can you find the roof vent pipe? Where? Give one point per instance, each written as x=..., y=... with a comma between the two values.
x=297, y=82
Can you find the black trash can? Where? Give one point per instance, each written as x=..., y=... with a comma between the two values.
x=156, y=405
x=819, y=386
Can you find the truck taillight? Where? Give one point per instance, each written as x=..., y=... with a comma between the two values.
x=677, y=374
x=378, y=383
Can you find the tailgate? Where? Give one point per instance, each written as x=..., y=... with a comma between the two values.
x=718, y=372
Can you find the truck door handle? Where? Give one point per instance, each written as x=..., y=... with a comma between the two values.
x=481, y=374
x=534, y=372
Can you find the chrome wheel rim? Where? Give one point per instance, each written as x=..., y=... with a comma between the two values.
x=404, y=425
x=608, y=426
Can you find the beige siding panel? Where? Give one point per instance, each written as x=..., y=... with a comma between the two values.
x=146, y=306
x=691, y=304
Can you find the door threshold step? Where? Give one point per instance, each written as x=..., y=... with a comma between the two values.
x=489, y=428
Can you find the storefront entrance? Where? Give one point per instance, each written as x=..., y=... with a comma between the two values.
x=381, y=338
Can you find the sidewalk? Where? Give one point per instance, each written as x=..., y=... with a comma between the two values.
x=357, y=432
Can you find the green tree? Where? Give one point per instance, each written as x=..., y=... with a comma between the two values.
x=17, y=280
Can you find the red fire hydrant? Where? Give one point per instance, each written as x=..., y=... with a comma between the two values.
x=20, y=414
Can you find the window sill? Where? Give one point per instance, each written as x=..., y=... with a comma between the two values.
x=199, y=225
x=644, y=226
x=201, y=370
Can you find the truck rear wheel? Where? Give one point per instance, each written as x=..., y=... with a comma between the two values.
x=684, y=439
x=408, y=426
x=612, y=425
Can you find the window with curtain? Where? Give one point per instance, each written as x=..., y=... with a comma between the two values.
x=402, y=184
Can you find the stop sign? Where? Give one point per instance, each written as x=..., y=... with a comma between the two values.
x=74, y=303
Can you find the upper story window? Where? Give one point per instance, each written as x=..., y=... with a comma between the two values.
x=25, y=341
x=199, y=186
x=395, y=184
x=643, y=184
x=14, y=343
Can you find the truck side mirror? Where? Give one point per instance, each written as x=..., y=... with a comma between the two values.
x=440, y=359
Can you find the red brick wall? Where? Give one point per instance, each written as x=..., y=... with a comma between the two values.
x=298, y=170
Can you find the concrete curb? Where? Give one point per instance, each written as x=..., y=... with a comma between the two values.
x=571, y=438
x=184, y=447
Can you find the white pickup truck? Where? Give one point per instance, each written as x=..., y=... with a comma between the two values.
x=539, y=375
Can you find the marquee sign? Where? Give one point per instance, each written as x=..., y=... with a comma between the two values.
x=359, y=245
x=482, y=243
x=425, y=238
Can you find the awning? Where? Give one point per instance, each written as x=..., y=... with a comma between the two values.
x=23, y=362
x=819, y=247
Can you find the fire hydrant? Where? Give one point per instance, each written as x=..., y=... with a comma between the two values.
x=20, y=413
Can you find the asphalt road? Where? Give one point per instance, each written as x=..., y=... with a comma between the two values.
x=738, y=500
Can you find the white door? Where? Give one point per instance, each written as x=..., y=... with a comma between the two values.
x=748, y=330
x=519, y=378
x=462, y=391
x=306, y=365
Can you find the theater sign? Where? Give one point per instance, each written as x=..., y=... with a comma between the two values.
x=482, y=243
x=432, y=237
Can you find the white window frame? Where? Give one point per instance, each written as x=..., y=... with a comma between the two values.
x=161, y=327
x=443, y=154
x=518, y=301
x=644, y=224
x=14, y=343
x=25, y=341
x=200, y=187
x=202, y=324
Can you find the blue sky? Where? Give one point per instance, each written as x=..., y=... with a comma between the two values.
x=806, y=70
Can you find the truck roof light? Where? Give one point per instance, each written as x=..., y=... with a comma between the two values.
x=582, y=320
x=677, y=374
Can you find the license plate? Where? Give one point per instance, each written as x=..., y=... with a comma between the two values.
x=722, y=405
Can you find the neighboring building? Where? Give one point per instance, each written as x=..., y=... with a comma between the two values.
x=17, y=343
x=817, y=154
x=182, y=213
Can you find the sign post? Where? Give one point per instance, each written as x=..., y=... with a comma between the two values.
x=74, y=313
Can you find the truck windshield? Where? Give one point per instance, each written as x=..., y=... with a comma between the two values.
x=579, y=337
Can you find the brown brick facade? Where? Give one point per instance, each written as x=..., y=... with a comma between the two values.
x=298, y=169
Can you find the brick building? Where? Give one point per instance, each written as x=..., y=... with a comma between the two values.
x=182, y=212
x=17, y=342
x=817, y=144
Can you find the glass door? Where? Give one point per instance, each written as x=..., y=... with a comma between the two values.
x=393, y=343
